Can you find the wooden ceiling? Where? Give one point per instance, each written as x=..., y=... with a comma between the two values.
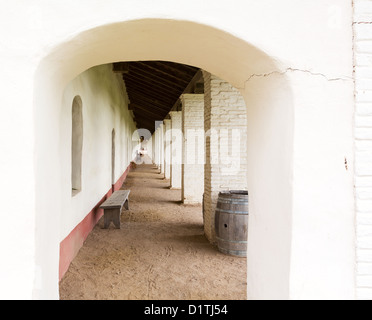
x=154, y=88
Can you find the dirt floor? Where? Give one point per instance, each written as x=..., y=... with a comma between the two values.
x=159, y=253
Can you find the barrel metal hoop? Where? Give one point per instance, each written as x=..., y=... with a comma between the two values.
x=239, y=253
x=232, y=201
x=232, y=211
x=233, y=241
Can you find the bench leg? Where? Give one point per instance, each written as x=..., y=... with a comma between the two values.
x=112, y=215
x=126, y=205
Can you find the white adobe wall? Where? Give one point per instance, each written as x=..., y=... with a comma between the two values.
x=292, y=62
x=105, y=107
x=363, y=145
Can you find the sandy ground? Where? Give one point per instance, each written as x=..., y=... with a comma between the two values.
x=159, y=253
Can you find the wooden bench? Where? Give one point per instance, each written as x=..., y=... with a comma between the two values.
x=112, y=207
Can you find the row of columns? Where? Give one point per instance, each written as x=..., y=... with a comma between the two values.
x=202, y=149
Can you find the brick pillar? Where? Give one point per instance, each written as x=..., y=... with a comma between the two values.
x=176, y=149
x=167, y=148
x=193, y=148
x=225, y=123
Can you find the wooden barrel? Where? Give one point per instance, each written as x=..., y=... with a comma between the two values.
x=231, y=222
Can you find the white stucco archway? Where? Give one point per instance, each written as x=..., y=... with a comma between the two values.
x=278, y=223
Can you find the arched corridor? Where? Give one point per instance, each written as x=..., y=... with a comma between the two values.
x=160, y=252
x=303, y=69
x=291, y=96
x=270, y=132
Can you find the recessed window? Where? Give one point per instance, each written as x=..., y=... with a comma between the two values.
x=113, y=157
x=76, y=145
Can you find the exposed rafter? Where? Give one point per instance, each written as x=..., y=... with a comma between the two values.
x=154, y=88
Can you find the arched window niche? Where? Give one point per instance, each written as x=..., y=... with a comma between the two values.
x=113, y=158
x=76, y=145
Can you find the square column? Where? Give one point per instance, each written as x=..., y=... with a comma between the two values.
x=193, y=148
x=161, y=148
x=225, y=123
x=153, y=141
x=157, y=148
x=176, y=150
x=167, y=147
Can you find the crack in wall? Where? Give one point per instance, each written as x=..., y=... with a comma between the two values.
x=264, y=75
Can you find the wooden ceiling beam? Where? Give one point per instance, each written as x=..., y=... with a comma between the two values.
x=138, y=98
x=177, y=75
x=149, y=82
x=151, y=85
x=137, y=107
x=147, y=91
x=145, y=73
x=154, y=87
x=146, y=101
x=185, y=74
x=162, y=101
x=179, y=67
x=138, y=93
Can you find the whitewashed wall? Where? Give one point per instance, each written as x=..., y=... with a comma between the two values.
x=105, y=107
x=363, y=145
x=292, y=62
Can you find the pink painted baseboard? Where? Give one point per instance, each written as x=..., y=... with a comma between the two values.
x=70, y=246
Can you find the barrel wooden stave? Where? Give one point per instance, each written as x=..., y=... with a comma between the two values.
x=231, y=222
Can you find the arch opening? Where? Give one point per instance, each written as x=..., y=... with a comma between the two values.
x=269, y=129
